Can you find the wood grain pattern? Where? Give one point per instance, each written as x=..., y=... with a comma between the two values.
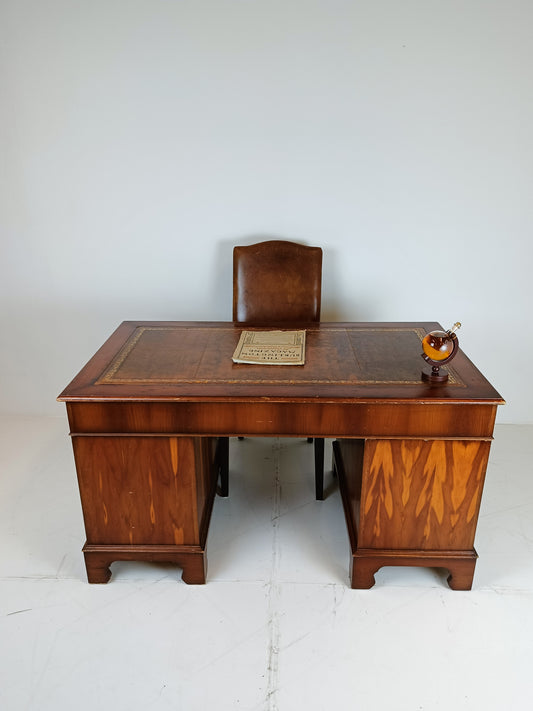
x=141, y=490
x=421, y=494
x=308, y=417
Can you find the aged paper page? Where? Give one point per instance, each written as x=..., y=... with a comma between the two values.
x=271, y=348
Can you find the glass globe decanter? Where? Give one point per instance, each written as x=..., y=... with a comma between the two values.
x=439, y=348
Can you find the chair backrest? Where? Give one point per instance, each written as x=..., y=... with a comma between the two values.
x=276, y=281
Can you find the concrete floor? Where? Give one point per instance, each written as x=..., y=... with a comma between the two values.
x=276, y=627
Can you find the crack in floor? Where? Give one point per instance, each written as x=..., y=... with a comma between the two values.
x=274, y=593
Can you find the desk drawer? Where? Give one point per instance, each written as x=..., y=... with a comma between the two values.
x=278, y=418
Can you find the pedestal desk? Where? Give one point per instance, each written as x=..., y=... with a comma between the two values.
x=148, y=411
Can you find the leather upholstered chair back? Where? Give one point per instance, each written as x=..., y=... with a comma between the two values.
x=276, y=281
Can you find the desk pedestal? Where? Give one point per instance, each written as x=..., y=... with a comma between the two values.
x=146, y=498
x=411, y=502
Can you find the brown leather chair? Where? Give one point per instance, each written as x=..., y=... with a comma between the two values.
x=276, y=282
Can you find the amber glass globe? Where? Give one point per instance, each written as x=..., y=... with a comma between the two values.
x=438, y=345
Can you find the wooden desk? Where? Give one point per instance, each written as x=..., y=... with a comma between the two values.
x=146, y=413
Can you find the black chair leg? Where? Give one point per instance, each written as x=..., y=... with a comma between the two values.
x=222, y=464
x=319, y=469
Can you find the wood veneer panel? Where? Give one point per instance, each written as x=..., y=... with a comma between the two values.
x=421, y=494
x=271, y=418
x=143, y=490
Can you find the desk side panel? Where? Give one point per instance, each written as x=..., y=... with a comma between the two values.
x=349, y=455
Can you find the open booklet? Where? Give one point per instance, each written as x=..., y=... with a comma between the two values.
x=271, y=348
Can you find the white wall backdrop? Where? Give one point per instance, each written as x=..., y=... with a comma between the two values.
x=141, y=139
